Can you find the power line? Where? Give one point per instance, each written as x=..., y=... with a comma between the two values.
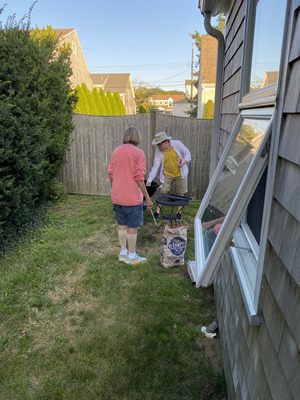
x=139, y=67
x=174, y=76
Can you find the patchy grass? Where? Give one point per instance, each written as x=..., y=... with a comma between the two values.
x=75, y=323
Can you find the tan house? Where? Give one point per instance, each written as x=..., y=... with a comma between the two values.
x=114, y=82
x=207, y=72
x=81, y=73
x=121, y=83
x=190, y=89
x=164, y=102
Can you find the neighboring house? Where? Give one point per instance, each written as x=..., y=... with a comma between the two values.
x=189, y=88
x=252, y=256
x=121, y=83
x=164, y=102
x=114, y=82
x=269, y=78
x=80, y=70
x=207, y=72
x=181, y=107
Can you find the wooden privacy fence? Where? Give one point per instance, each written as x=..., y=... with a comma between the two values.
x=95, y=137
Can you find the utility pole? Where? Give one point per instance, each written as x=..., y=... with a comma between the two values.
x=192, y=71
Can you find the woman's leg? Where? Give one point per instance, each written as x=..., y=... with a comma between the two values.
x=132, y=238
x=122, y=234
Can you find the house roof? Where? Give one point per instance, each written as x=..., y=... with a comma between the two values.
x=183, y=101
x=63, y=32
x=112, y=82
x=174, y=97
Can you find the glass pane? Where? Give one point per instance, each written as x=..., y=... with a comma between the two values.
x=256, y=207
x=236, y=165
x=268, y=35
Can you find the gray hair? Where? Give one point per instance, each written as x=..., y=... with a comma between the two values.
x=132, y=135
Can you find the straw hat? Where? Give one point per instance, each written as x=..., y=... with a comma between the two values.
x=161, y=137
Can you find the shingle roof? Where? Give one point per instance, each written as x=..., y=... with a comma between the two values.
x=113, y=82
x=63, y=32
x=174, y=97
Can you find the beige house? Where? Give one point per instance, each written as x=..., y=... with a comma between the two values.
x=207, y=72
x=114, y=82
x=121, y=83
x=81, y=73
x=190, y=89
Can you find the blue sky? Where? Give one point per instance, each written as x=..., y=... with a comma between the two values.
x=148, y=39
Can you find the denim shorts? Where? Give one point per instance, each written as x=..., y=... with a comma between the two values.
x=132, y=216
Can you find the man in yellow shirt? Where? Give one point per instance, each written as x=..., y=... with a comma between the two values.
x=171, y=156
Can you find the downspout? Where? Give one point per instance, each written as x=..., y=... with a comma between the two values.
x=218, y=90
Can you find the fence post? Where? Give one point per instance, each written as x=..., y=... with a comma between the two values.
x=153, y=112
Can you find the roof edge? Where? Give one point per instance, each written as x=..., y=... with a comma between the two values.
x=214, y=7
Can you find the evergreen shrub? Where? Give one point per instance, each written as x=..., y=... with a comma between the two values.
x=35, y=120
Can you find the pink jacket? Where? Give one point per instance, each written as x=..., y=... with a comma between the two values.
x=127, y=166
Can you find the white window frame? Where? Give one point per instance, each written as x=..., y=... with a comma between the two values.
x=205, y=268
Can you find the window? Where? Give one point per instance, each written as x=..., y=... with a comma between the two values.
x=263, y=38
x=74, y=47
x=233, y=212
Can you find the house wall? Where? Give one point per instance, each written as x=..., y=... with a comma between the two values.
x=80, y=70
x=207, y=72
x=264, y=362
x=130, y=105
x=180, y=108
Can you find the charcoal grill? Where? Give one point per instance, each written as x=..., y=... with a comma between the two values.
x=171, y=201
x=151, y=191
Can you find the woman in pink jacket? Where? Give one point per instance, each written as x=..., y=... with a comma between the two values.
x=126, y=169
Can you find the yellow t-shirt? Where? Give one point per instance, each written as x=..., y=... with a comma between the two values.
x=171, y=163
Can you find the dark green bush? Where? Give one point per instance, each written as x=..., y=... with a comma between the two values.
x=142, y=109
x=35, y=120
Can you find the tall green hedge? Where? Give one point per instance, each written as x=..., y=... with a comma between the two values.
x=97, y=103
x=208, y=112
x=35, y=120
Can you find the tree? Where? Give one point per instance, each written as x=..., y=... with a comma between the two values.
x=36, y=106
x=208, y=112
x=112, y=103
x=119, y=104
x=142, y=109
x=142, y=90
x=98, y=102
x=82, y=106
x=104, y=101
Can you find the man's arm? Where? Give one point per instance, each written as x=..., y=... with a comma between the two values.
x=155, y=167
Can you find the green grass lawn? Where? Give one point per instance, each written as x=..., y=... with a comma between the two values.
x=75, y=323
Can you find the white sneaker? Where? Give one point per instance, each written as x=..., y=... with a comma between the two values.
x=123, y=256
x=135, y=260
